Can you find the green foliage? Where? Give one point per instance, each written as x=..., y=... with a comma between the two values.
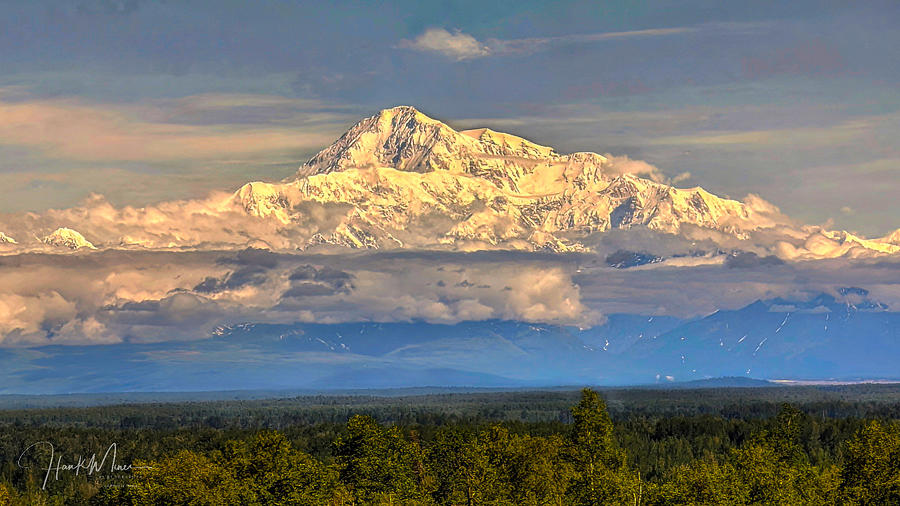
x=640, y=452
x=275, y=473
x=530, y=470
x=5, y=495
x=600, y=473
x=771, y=468
x=184, y=478
x=266, y=470
x=463, y=470
x=377, y=464
x=705, y=481
x=871, y=473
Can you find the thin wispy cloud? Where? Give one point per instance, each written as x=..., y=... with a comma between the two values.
x=852, y=130
x=81, y=131
x=460, y=46
x=530, y=45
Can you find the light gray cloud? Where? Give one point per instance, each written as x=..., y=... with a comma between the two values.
x=115, y=296
x=454, y=45
x=619, y=165
x=460, y=46
x=664, y=289
x=529, y=45
x=151, y=296
x=56, y=151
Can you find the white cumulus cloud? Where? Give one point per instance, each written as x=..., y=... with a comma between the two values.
x=455, y=45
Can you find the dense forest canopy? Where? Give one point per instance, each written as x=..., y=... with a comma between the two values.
x=798, y=445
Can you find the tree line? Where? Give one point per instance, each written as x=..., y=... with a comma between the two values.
x=790, y=458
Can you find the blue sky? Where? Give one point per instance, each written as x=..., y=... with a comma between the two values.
x=144, y=101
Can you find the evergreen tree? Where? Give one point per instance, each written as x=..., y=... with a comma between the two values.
x=600, y=473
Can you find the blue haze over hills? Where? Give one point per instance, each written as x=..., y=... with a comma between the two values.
x=821, y=338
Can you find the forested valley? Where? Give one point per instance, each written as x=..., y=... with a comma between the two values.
x=778, y=445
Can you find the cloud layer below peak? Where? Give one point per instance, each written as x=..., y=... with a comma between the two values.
x=115, y=296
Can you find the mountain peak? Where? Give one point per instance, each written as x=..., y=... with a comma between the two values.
x=402, y=110
x=403, y=118
x=67, y=238
x=500, y=141
x=400, y=179
x=400, y=137
x=892, y=238
x=399, y=164
x=405, y=139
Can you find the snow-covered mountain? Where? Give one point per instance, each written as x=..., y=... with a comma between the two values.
x=893, y=238
x=405, y=139
x=400, y=179
x=67, y=238
x=413, y=180
x=825, y=336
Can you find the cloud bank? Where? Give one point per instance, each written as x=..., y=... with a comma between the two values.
x=117, y=296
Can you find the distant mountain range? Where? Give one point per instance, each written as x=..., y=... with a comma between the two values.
x=400, y=179
x=278, y=285
x=825, y=338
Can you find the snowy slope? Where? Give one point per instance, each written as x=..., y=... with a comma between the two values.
x=400, y=179
x=493, y=189
x=67, y=238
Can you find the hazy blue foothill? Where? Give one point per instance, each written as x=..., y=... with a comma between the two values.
x=820, y=338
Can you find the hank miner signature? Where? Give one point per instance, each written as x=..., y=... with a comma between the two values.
x=89, y=466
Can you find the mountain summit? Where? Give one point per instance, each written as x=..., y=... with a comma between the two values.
x=405, y=139
x=400, y=179
x=492, y=189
